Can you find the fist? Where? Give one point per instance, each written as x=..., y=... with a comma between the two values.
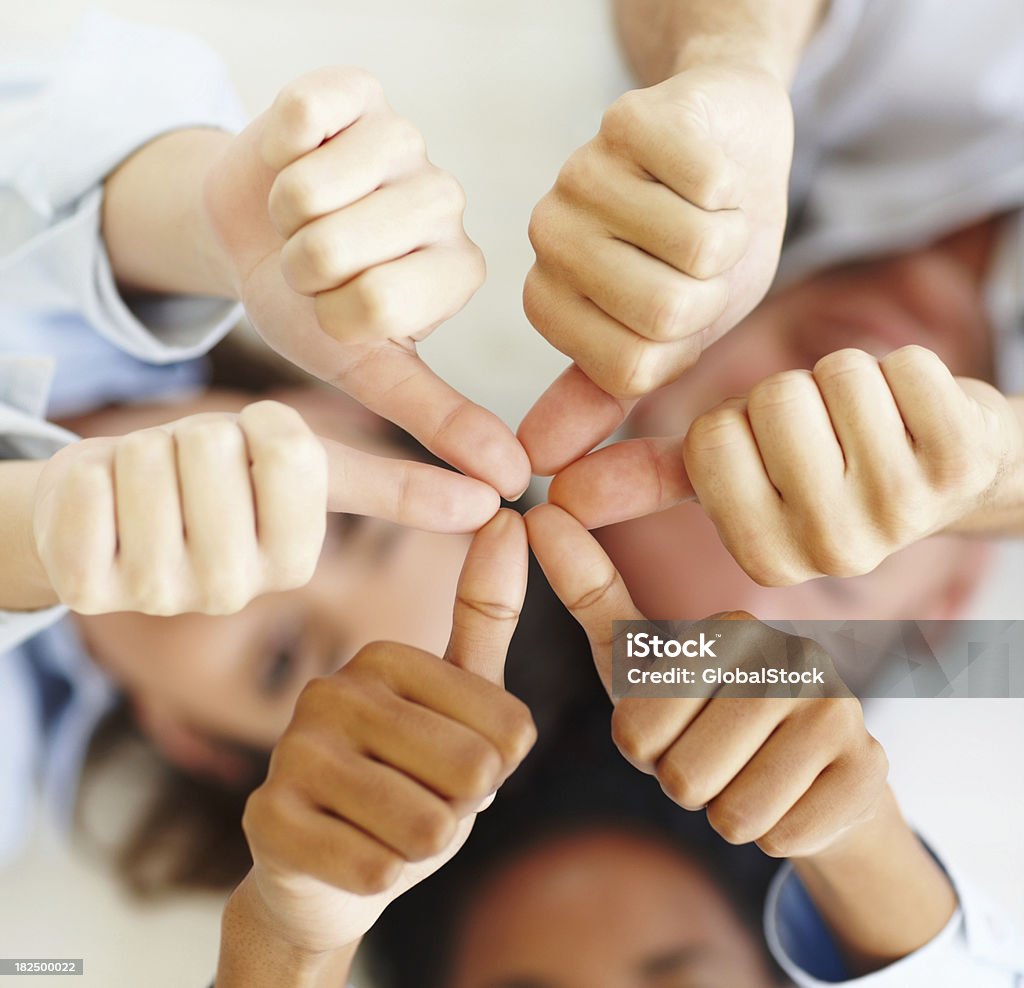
x=658, y=237
x=795, y=775
x=831, y=471
x=377, y=780
x=199, y=515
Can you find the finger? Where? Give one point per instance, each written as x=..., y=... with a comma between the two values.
x=940, y=418
x=695, y=241
x=386, y=225
x=444, y=755
x=863, y=412
x=289, y=478
x=318, y=844
x=403, y=298
x=724, y=465
x=393, y=382
x=643, y=293
x=314, y=108
x=622, y=481
x=416, y=495
x=375, y=150
x=794, y=434
x=583, y=577
x=380, y=800
x=568, y=420
x=76, y=528
x=217, y=507
x=151, y=542
x=609, y=353
x=490, y=597
x=771, y=783
x=714, y=748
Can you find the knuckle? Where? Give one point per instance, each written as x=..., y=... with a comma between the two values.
x=717, y=429
x=623, y=119
x=731, y=820
x=293, y=198
x=224, y=592
x=671, y=314
x=312, y=260
x=777, y=843
x=476, y=769
x=706, y=251
x=211, y=437
x=842, y=363
x=579, y=177
x=378, y=303
x=677, y=783
x=630, y=736
x=296, y=105
x=406, y=135
x=520, y=731
x=640, y=371
x=545, y=227
x=911, y=360
x=153, y=593
x=780, y=391
x=375, y=871
x=448, y=193
x=431, y=830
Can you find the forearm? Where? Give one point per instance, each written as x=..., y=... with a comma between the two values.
x=251, y=956
x=154, y=224
x=24, y=585
x=879, y=891
x=662, y=37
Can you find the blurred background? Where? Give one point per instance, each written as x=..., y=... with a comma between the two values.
x=503, y=92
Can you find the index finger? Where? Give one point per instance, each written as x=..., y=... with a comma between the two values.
x=489, y=598
x=584, y=578
x=622, y=481
x=313, y=109
x=394, y=382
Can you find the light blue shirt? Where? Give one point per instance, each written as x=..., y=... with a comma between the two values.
x=70, y=343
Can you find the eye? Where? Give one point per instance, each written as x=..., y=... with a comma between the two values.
x=278, y=671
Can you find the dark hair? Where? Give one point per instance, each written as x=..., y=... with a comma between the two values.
x=575, y=781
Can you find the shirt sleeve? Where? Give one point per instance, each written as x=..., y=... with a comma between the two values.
x=114, y=88
x=24, y=434
x=978, y=947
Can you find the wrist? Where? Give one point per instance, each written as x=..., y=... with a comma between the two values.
x=255, y=954
x=24, y=583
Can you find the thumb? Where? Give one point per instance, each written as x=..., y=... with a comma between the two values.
x=490, y=597
x=584, y=578
x=622, y=481
x=569, y=420
x=416, y=495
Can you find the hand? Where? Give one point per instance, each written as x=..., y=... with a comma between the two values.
x=823, y=473
x=657, y=238
x=348, y=246
x=207, y=512
x=377, y=781
x=794, y=775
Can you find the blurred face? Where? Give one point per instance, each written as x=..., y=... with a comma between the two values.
x=604, y=910
x=236, y=678
x=931, y=297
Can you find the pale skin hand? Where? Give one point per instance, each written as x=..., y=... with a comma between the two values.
x=665, y=230
x=800, y=777
x=826, y=472
x=345, y=244
x=378, y=779
x=205, y=513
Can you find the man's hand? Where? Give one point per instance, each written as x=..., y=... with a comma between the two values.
x=821, y=473
x=657, y=238
x=205, y=513
x=377, y=780
x=347, y=246
x=794, y=775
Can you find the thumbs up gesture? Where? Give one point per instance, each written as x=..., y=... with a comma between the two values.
x=212, y=510
x=794, y=775
x=378, y=779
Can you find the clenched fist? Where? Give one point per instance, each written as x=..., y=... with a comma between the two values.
x=794, y=775
x=348, y=246
x=378, y=779
x=822, y=473
x=207, y=512
x=658, y=237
